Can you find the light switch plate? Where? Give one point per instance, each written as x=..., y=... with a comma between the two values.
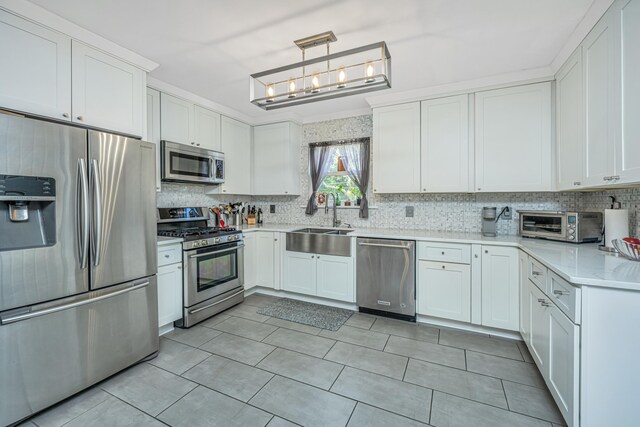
x=408, y=211
x=507, y=213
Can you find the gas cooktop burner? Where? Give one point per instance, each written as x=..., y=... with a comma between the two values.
x=196, y=232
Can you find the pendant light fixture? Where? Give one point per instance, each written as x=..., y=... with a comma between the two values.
x=367, y=69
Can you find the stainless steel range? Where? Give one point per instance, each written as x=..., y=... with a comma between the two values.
x=213, y=262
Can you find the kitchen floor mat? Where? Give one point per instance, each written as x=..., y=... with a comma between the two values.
x=307, y=313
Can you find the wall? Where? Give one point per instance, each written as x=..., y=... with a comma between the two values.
x=451, y=212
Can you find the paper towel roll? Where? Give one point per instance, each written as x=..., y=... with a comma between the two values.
x=616, y=225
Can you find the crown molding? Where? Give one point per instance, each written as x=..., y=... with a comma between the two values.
x=535, y=75
x=41, y=16
x=594, y=13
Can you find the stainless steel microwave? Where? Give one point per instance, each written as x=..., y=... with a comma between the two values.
x=182, y=163
x=574, y=227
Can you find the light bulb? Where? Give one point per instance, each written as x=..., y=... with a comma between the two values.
x=270, y=92
x=292, y=88
x=315, y=82
x=369, y=72
x=342, y=78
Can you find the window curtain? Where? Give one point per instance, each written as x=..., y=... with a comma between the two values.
x=319, y=162
x=355, y=158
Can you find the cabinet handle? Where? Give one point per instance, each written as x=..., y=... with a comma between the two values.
x=166, y=256
x=476, y=255
x=545, y=304
x=541, y=300
x=80, y=118
x=607, y=178
x=536, y=273
x=560, y=293
x=577, y=183
x=65, y=115
x=179, y=267
x=615, y=177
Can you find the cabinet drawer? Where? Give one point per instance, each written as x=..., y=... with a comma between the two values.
x=169, y=255
x=565, y=296
x=445, y=252
x=537, y=273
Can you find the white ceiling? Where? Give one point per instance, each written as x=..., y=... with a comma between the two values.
x=210, y=47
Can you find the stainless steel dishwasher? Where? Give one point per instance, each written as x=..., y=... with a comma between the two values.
x=386, y=277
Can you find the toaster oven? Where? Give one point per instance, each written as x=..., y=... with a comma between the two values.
x=573, y=227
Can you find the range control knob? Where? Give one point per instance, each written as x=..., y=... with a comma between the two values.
x=216, y=240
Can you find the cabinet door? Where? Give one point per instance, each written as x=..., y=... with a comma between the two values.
x=299, y=273
x=206, y=129
x=525, y=320
x=236, y=146
x=445, y=144
x=628, y=91
x=265, y=259
x=539, y=331
x=153, y=127
x=36, y=68
x=598, y=65
x=513, y=139
x=275, y=152
x=500, y=286
x=177, y=120
x=169, y=293
x=564, y=364
x=250, y=260
x=335, y=278
x=396, y=149
x=569, y=125
x=107, y=93
x=444, y=290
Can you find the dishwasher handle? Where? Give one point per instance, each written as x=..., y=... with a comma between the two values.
x=385, y=245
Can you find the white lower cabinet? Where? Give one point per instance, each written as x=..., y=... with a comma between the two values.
x=169, y=284
x=539, y=327
x=500, y=287
x=250, y=254
x=325, y=276
x=261, y=260
x=444, y=290
x=525, y=321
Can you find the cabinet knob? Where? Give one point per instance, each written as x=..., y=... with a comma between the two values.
x=318, y=256
x=442, y=252
x=479, y=189
x=313, y=256
x=197, y=145
x=166, y=256
x=179, y=267
x=65, y=115
x=286, y=192
x=486, y=251
x=224, y=191
x=275, y=240
x=424, y=189
x=476, y=255
x=443, y=267
x=193, y=143
x=80, y=118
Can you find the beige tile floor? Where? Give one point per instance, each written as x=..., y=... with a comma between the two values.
x=244, y=369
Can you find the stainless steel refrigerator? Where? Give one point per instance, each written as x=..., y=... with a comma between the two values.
x=78, y=291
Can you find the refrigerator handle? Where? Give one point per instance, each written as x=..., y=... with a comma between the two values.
x=96, y=231
x=82, y=213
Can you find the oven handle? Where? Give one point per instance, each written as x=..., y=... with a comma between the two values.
x=217, y=252
x=217, y=302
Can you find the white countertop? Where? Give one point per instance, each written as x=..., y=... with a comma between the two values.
x=581, y=264
x=164, y=241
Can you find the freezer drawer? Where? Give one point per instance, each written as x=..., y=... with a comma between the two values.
x=52, y=351
x=386, y=276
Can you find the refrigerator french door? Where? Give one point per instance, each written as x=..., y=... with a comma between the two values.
x=78, y=296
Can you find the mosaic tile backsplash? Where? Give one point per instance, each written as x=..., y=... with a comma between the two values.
x=449, y=212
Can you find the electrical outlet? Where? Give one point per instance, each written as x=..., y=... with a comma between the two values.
x=507, y=213
x=272, y=208
x=408, y=211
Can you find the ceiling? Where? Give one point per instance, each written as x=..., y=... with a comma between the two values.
x=210, y=47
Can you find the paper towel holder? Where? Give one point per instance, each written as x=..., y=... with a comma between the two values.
x=615, y=205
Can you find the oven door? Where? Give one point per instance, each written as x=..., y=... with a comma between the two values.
x=187, y=164
x=546, y=225
x=212, y=271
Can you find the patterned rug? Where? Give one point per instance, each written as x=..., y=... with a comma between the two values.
x=307, y=313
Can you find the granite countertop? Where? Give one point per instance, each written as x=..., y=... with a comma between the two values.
x=581, y=264
x=163, y=241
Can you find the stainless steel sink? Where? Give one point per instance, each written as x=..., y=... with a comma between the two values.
x=320, y=241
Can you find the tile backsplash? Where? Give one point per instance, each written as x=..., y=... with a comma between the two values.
x=450, y=212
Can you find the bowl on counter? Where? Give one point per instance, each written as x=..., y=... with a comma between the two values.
x=627, y=249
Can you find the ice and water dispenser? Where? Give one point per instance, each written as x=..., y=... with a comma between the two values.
x=27, y=212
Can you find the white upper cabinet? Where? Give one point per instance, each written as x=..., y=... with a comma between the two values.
x=598, y=65
x=177, y=120
x=445, y=144
x=513, y=139
x=396, y=149
x=236, y=146
x=627, y=14
x=35, y=75
x=569, y=124
x=276, y=153
x=106, y=93
x=153, y=127
x=206, y=129
x=500, y=287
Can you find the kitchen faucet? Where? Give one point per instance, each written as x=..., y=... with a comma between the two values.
x=336, y=221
